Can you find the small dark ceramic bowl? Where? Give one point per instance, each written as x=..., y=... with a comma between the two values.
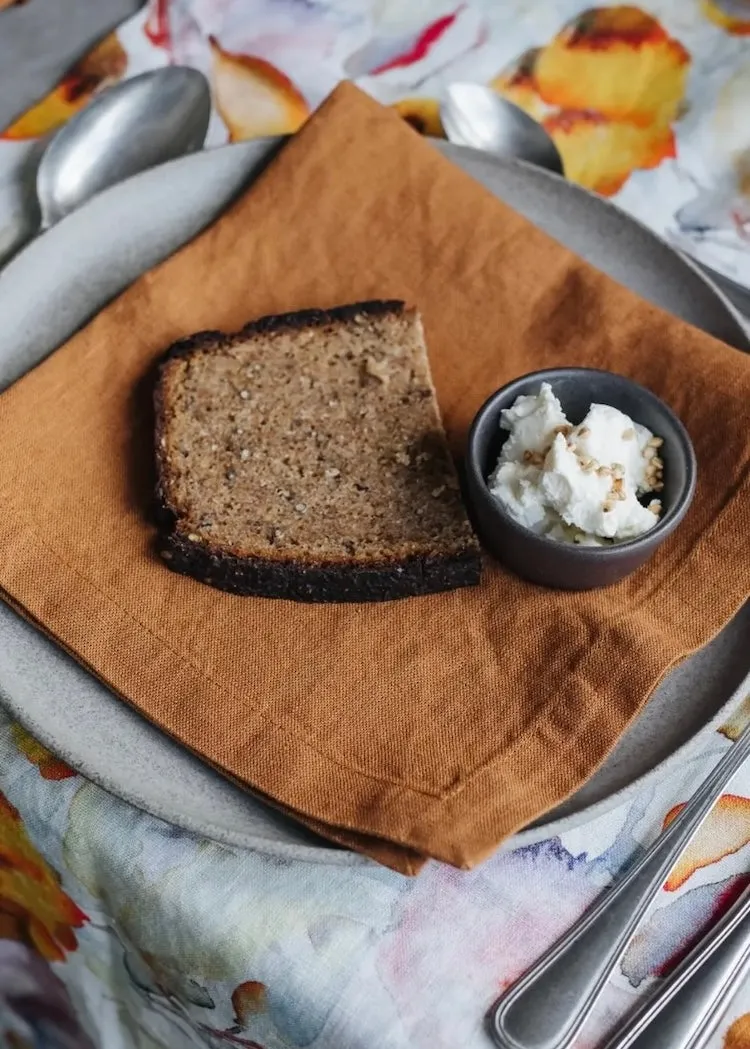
x=564, y=565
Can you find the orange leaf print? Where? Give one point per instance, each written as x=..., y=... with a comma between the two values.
x=737, y=721
x=517, y=83
x=423, y=114
x=253, y=97
x=50, y=767
x=725, y=831
x=30, y=892
x=601, y=154
x=618, y=61
x=248, y=999
x=730, y=15
x=101, y=67
x=738, y=1035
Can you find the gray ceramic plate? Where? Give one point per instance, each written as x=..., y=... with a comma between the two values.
x=68, y=274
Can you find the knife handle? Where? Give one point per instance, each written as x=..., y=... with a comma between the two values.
x=686, y=1007
x=548, y=1006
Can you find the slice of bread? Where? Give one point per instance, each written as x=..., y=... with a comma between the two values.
x=304, y=458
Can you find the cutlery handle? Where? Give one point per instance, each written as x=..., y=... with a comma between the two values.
x=12, y=242
x=684, y=1011
x=548, y=1006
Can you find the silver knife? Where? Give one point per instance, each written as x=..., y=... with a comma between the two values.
x=548, y=1006
x=685, y=1009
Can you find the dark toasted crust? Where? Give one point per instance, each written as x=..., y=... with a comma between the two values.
x=278, y=322
x=304, y=580
x=321, y=582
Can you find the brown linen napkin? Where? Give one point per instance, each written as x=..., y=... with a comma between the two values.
x=439, y=724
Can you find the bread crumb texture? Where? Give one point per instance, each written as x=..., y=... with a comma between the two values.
x=312, y=438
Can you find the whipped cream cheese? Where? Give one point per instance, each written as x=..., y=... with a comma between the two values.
x=577, y=484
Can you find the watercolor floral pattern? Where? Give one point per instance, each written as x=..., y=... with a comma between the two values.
x=50, y=766
x=103, y=66
x=646, y=103
x=607, y=87
x=252, y=97
x=32, y=903
x=116, y=929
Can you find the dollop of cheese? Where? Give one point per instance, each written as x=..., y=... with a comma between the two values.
x=578, y=484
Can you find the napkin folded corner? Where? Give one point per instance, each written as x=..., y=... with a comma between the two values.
x=429, y=727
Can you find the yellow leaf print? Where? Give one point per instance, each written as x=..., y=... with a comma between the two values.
x=737, y=721
x=104, y=65
x=618, y=61
x=724, y=832
x=517, y=83
x=423, y=114
x=50, y=767
x=31, y=897
x=607, y=88
x=730, y=15
x=601, y=154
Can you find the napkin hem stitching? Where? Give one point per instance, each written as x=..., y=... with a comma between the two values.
x=297, y=733
x=292, y=730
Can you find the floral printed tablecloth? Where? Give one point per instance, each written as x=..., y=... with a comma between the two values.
x=122, y=932
x=648, y=105
x=118, y=930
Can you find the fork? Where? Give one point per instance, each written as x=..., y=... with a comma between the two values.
x=548, y=1006
x=692, y=999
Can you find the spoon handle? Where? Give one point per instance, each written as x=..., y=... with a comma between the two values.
x=13, y=243
x=690, y=1002
x=548, y=1006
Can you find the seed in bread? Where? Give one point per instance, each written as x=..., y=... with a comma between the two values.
x=304, y=458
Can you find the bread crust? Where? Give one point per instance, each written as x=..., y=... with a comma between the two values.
x=319, y=582
x=306, y=579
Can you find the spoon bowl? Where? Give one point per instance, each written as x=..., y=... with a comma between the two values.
x=145, y=121
x=476, y=116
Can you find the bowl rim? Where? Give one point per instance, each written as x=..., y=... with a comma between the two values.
x=479, y=487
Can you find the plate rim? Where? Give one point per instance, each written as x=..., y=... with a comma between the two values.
x=543, y=828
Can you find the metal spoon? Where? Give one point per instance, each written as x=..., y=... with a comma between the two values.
x=474, y=115
x=138, y=124
x=548, y=1006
